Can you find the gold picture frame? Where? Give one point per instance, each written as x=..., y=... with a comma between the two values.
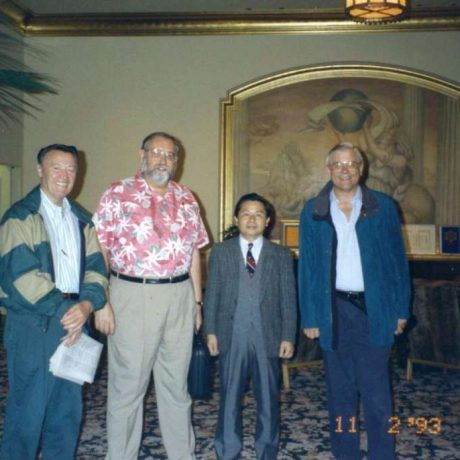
x=290, y=234
x=275, y=132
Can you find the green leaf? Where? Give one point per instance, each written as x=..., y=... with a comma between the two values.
x=28, y=82
x=17, y=80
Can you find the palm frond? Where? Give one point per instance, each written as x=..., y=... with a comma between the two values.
x=17, y=80
x=28, y=82
x=15, y=102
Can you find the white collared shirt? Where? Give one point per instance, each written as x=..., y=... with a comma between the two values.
x=256, y=248
x=62, y=227
x=349, y=271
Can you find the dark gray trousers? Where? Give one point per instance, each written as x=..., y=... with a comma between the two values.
x=246, y=360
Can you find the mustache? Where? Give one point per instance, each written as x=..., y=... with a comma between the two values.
x=155, y=173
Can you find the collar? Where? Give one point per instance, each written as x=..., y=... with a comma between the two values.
x=321, y=203
x=53, y=207
x=31, y=203
x=357, y=198
x=256, y=244
x=171, y=188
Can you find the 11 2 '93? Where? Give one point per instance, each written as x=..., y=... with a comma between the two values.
x=421, y=425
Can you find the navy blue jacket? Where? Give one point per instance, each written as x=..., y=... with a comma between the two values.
x=383, y=258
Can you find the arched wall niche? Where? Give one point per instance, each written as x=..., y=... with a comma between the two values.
x=276, y=131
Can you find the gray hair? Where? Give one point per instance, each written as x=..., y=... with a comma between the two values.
x=345, y=147
x=156, y=134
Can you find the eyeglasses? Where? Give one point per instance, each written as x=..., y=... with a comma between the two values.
x=339, y=165
x=157, y=152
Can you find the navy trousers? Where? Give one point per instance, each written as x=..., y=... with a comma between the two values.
x=242, y=361
x=356, y=369
x=40, y=408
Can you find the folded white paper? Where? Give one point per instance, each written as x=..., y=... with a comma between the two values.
x=77, y=363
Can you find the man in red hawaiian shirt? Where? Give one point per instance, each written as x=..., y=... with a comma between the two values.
x=150, y=229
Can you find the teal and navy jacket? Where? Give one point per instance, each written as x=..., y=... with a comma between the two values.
x=387, y=286
x=26, y=262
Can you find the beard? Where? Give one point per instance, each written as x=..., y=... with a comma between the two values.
x=160, y=177
x=157, y=175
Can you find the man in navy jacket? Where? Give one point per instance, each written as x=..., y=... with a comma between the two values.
x=354, y=292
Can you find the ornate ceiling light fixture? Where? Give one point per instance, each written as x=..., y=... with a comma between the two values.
x=376, y=10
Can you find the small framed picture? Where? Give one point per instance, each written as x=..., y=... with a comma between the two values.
x=419, y=239
x=290, y=234
x=449, y=239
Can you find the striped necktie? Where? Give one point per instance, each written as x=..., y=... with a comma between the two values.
x=250, y=262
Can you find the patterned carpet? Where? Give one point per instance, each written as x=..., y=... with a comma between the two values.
x=433, y=393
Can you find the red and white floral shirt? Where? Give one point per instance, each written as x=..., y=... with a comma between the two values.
x=147, y=234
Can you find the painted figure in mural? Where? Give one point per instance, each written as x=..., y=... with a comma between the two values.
x=250, y=322
x=290, y=182
x=377, y=132
x=150, y=230
x=389, y=156
x=354, y=291
x=53, y=278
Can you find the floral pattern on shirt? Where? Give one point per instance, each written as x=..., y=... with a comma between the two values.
x=147, y=234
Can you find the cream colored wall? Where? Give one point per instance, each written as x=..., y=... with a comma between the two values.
x=11, y=144
x=115, y=90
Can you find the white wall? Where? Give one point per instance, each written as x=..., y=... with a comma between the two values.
x=116, y=90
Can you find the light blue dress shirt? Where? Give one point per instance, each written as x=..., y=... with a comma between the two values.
x=349, y=271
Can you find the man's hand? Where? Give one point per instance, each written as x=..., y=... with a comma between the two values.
x=213, y=346
x=73, y=321
x=104, y=320
x=198, y=318
x=286, y=349
x=311, y=332
x=400, y=326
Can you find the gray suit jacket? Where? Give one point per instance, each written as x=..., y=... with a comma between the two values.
x=278, y=300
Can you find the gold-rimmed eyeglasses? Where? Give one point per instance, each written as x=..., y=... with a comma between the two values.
x=339, y=165
x=157, y=153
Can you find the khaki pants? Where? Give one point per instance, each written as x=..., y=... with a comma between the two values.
x=154, y=332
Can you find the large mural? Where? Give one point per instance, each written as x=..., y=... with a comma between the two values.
x=408, y=131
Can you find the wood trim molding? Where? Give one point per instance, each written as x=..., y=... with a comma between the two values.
x=164, y=24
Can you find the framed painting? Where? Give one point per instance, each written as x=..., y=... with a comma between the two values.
x=276, y=132
x=449, y=239
x=290, y=234
x=419, y=239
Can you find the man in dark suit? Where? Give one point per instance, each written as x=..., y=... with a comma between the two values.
x=250, y=320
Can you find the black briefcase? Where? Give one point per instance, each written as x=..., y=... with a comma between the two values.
x=200, y=372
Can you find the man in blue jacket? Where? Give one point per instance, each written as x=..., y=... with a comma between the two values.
x=354, y=292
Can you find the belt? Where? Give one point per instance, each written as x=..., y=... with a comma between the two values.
x=357, y=296
x=70, y=295
x=135, y=279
